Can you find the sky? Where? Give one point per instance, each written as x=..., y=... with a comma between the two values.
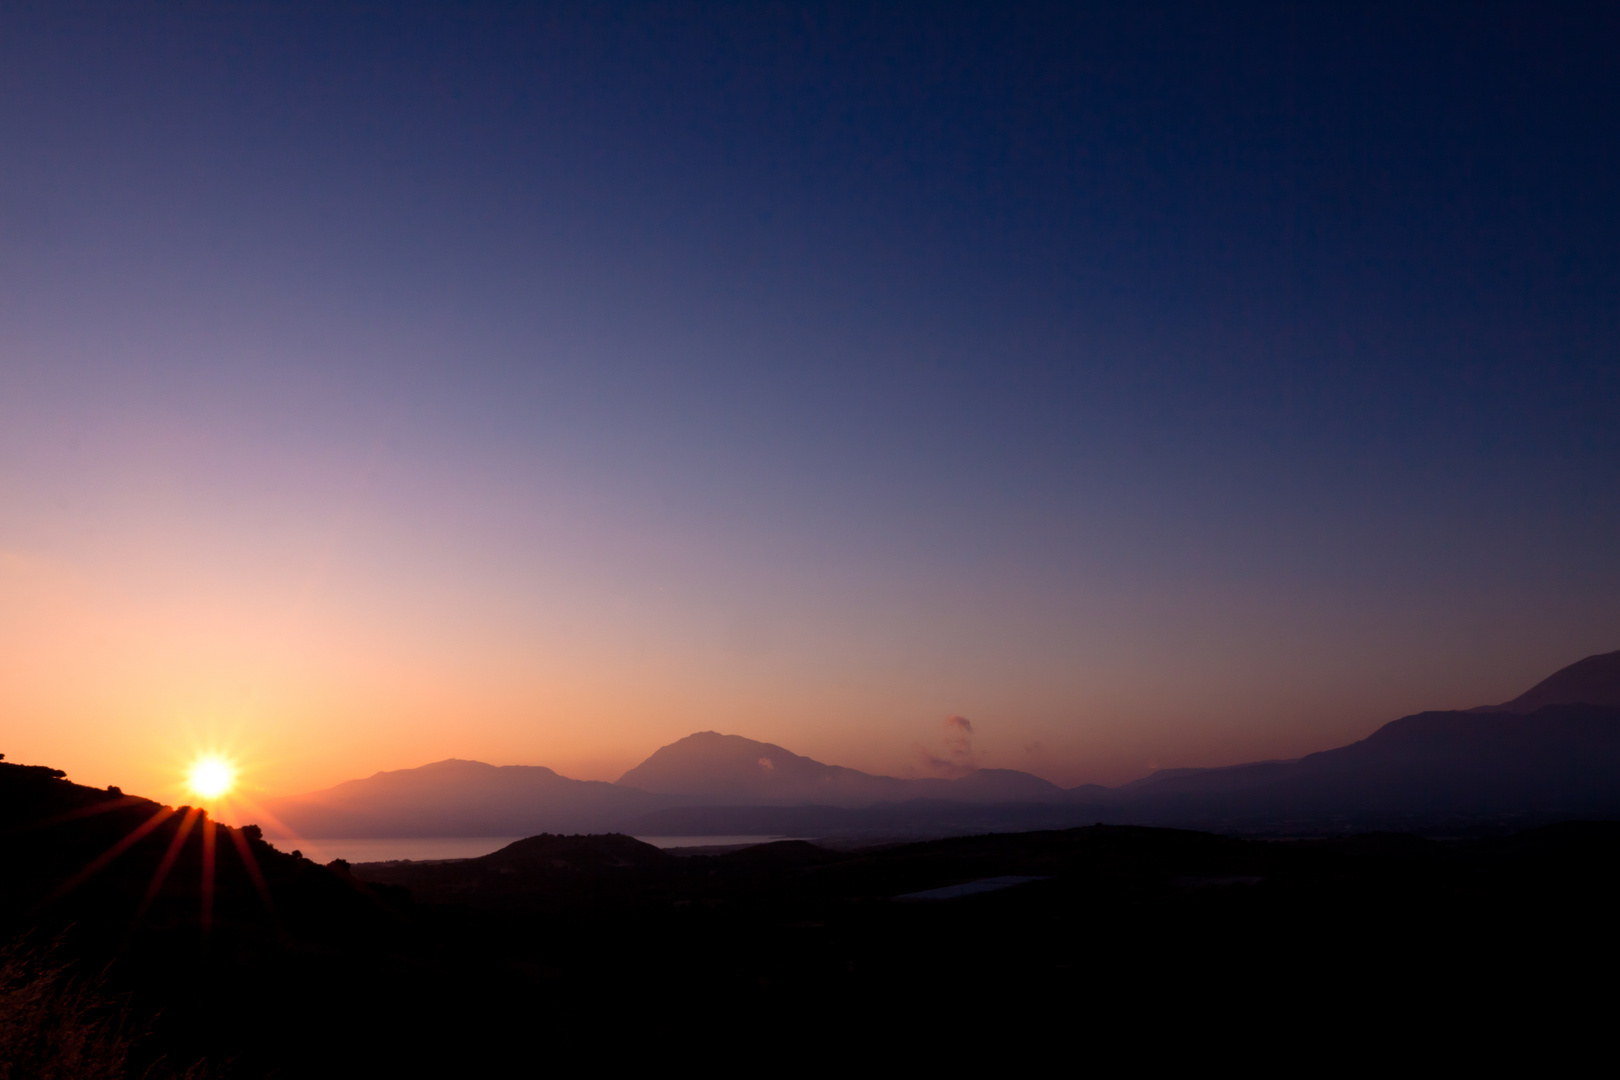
x=1153, y=385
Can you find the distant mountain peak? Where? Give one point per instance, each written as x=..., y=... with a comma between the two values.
x=447, y=765
x=709, y=767
x=730, y=767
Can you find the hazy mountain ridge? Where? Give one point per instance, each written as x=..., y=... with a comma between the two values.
x=1593, y=681
x=456, y=797
x=462, y=798
x=1560, y=762
x=1506, y=763
x=732, y=770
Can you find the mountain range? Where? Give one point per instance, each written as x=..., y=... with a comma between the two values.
x=704, y=770
x=1551, y=753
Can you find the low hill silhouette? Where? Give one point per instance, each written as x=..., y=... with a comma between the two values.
x=1130, y=930
x=565, y=949
x=575, y=854
x=198, y=938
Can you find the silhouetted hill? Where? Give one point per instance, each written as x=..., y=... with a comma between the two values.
x=1112, y=931
x=783, y=853
x=1593, y=681
x=606, y=871
x=207, y=934
x=913, y=819
x=462, y=798
x=566, y=949
x=575, y=854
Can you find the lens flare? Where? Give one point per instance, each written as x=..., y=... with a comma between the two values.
x=211, y=777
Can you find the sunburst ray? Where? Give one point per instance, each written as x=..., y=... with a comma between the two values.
x=181, y=831
x=208, y=841
x=100, y=862
x=251, y=865
x=121, y=803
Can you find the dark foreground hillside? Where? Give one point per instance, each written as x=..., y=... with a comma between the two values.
x=1125, y=945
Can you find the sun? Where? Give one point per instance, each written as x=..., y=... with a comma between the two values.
x=211, y=777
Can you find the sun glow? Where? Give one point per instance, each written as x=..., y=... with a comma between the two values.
x=211, y=777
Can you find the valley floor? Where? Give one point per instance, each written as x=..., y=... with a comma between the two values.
x=1104, y=944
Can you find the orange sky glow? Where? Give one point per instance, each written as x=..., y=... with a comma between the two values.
x=127, y=671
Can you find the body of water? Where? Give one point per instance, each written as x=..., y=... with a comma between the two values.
x=419, y=848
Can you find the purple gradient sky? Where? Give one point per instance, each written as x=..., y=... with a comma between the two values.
x=1172, y=387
